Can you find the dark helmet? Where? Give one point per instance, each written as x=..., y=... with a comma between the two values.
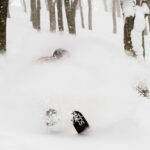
x=59, y=53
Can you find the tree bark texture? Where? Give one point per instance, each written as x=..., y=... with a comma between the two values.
x=8, y=12
x=3, y=21
x=35, y=13
x=52, y=15
x=128, y=27
x=60, y=15
x=70, y=8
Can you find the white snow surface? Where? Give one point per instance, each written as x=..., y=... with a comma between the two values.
x=129, y=8
x=136, y=34
x=97, y=79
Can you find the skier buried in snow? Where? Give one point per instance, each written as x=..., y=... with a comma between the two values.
x=58, y=54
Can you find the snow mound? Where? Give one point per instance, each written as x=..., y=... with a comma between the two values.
x=97, y=79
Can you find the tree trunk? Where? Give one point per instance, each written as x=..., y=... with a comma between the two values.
x=114, y=16
x=118, y=8
x=145, y=30
x=47, y=7
x=52, y=16
x=90, y=14
x=105, y=5
x=3, y=21
x=8, y=12
x=38, y=26
x=68, y=14
x=128, y=25
x=149, y=21
x=134, y=43
x=73, y=15
x=140, y=3
x=143, y=44
x=70, y=8
x=81, y=14
x=60, y=15
x=33, y=13
x=24, y=5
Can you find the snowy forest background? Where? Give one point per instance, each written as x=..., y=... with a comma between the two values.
x=106, y=75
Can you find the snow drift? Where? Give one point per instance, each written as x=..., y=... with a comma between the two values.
x=98, y=79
